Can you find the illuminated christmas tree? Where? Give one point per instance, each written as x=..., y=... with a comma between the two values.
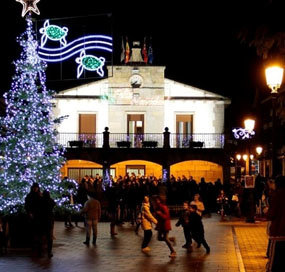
x=30, y=152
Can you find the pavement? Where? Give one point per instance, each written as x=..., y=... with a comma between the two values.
x=235, y=246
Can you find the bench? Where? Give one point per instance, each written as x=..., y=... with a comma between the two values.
x=149, y=144
x=78, y=144
x=197, y=144
x=124, y=144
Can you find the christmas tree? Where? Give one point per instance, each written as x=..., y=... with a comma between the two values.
x=29, y=150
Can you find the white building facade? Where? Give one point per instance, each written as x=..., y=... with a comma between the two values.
x=137, y=103
x=140, y=100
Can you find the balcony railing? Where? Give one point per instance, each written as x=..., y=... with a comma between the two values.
x=80, y=139
x=197, y=140
x=145, y=140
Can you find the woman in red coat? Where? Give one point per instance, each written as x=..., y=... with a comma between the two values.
x=163, y=223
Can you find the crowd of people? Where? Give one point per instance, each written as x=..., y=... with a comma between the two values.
x=122, y=199
x=147, y=201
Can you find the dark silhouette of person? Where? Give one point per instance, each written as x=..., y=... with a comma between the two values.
x=47, y=220
x=33, y=209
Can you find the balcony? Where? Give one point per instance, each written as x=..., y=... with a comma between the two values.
x=146, y=140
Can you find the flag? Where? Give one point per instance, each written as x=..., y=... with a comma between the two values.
x=128, y=51
x=123, y=52
x=150, y=54
x=144, y=52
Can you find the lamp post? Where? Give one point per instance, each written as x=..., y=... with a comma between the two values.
x=274, y=76
x=259, y=150
x=249, y=127
x=249, y=191
x=237, y=166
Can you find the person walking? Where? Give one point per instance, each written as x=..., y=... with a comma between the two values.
x=184, y=221
x=92, y=211
x=163, y=225
x=197, y=228
x=200, y=205
x=147, y=220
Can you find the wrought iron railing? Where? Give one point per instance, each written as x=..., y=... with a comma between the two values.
x=136, y=140
x=145, y=140
x=80, y=139
x=197, y=140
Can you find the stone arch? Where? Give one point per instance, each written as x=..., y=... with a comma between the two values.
x=198, y=168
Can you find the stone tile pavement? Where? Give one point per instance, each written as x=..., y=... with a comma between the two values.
x=122, y=253
x=253, y=244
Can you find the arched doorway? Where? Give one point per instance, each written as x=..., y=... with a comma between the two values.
x=142, y=167
x=198, y=169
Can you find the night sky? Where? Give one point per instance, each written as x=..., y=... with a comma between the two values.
x=196, y=40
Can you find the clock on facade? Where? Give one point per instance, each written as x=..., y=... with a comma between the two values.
x=136, y=81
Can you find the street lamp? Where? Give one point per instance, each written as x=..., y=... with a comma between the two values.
x=274, y=76
x=249, y=124
x=259, y=150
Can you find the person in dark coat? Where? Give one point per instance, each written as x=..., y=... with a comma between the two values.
x=33, y=209
x=112, y=193
x=184, y=221
x=276, y=215
x=197, y=228
x=47, y=220
x=163, y=223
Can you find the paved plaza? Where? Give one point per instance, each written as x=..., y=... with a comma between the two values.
x=235, y=246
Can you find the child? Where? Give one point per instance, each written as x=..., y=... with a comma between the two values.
x=197, y=228
x=163, y=225
x=185, y=222
x=147, y=220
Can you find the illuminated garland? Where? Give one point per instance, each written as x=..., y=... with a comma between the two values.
x=107, y=182
x=242, y=133
x=78, y=46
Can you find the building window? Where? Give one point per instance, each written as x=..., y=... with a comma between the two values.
x=136, y=169
x=78, y=173
x=184, y=129
x=87, y=123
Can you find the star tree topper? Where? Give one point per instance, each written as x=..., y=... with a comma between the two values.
x=29, y=5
